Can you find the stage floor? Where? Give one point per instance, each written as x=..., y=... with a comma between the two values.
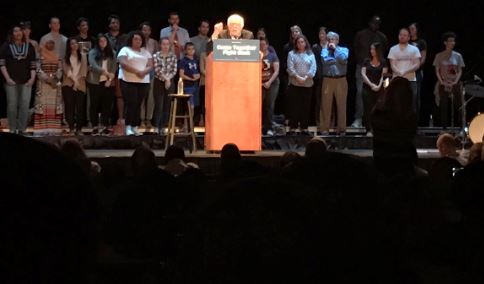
x=355, y=139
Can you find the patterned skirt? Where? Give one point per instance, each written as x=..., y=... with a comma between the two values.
x=48, y=110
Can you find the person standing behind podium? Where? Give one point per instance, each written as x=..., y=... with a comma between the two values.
x=178, y=36
x=235, y=30
x=301, y=67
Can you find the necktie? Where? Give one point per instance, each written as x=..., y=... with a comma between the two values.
x=177, y=46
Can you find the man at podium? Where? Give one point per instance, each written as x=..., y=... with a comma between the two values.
x=235, y=30
x=233, y=88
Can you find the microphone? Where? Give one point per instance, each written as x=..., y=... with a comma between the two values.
x=476, y=80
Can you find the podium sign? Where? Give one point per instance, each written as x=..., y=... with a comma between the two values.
x=244, y=50
x=233, y=95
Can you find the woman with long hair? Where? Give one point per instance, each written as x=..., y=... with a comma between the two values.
x=17, y=64
x=74, y=86
x=373, y=70
x=301, y=67
x=100, y=81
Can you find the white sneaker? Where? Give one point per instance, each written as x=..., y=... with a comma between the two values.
x=129, y=130
x=270, y=133
x=369, y=134
x=357, y=123
x=136, y=131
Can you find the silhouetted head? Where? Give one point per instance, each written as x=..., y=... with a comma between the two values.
x=143, y=160
x=447, y=145
x=475, y=153
x=174, y=152
x=288, y=158
x=72, y=149
x=398, y=97
x=315, y=149
x=374, y=23
x=230, y=152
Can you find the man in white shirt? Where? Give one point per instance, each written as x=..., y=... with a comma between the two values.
x=55, y=35
x=178, y=36
x=405, y=60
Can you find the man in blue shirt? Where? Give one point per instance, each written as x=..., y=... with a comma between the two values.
x=335, y=62
x=178, y=36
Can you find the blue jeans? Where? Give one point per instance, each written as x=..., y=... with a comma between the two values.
x=192, y=90
x=18, y=99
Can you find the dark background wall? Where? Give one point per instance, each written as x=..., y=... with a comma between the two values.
x=466, y=18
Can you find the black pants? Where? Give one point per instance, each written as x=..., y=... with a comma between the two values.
x=101, y=102
x=133, y=94
x=162, y=103
x=200, y=109
x=369, y=101
x=74, y=107
x=300, y=106
x=446, y=105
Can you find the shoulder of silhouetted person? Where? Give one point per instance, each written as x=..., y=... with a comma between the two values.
x=49, y=211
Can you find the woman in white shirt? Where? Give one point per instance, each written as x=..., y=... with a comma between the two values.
x=74, y=86
x=135, y=65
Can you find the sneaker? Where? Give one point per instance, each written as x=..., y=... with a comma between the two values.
x=105, y=132
x=357, y=123
x=143, y=124
x=129, y=130
x=270, y=133
x=369, y=134
x=136, y=131
x=325, y=133
x=95, y=131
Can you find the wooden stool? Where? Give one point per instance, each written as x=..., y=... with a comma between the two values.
x=170, y=137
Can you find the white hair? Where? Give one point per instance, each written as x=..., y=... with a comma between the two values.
x=332, y=35
x=235, y=18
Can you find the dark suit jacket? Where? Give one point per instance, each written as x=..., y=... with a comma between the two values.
x=225, y=35
x=244, y=35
